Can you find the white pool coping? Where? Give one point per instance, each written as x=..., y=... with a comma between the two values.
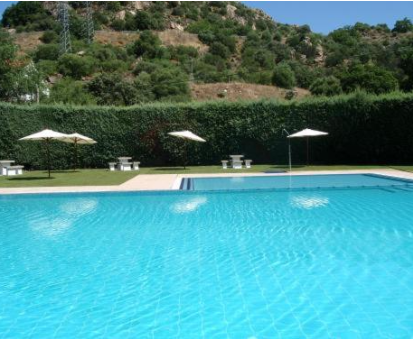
x=171, y=182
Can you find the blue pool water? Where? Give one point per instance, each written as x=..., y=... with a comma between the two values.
x=292, y=182
x=267, y=264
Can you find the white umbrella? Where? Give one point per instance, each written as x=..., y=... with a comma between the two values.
x=46, y=136
x=77, y=138
x=187, y=135
x=306, y=133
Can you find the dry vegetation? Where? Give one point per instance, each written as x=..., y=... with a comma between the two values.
x=237, y=91
x=28, y=41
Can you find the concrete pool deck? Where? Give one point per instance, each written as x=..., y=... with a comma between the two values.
x=172, y=181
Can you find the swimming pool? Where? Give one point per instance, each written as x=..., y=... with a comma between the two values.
x=298, y=182
x=302, y=263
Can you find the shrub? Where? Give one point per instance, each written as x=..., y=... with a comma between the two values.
x=49, y=37
x=167, y=81
x=114, y=66
x=356, y=125
x=75, y=66
x=283, y=76
x=403, y=26
x=111, y=89
x=170, y=84
x=220, y=50
x=46, y=52
x=68, y=91
x=47, y=67
x=8, y=51
x=118, y=25
x=149, y=21
x=368, y=77
x=28, y=14
x=328, y=86
x=148, y=45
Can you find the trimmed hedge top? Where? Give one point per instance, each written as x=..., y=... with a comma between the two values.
x=363, y=129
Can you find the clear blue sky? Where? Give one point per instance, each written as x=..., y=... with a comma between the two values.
x=325, y=16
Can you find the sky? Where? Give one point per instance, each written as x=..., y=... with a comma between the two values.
x=326, y=16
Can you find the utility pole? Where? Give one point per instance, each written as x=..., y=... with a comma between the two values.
x=63, y=18
x=89, y=25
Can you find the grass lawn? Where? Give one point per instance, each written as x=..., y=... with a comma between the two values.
x=255, y=168
x=105, y=177
x=408, y=168
x=66, y=178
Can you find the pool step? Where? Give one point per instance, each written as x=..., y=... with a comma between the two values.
x=187, y=184
x=396, y=189
x=404, y=188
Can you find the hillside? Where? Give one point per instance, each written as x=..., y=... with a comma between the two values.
x=241, y=91
x=145, y=51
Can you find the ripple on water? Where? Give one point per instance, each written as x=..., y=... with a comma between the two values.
x=319, y=264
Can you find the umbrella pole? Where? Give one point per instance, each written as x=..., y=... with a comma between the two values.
x=186, y=154
x=289, y=153
x=308, y=152
x=75, y=157
x=48, y=156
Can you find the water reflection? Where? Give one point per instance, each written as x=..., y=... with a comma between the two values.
x=60, y=221
x=309, y=201
x=79, y=207
x=237, y=179
x=189, y=204
x=51, y=227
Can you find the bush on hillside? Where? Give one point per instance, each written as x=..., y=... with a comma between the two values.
x=75, y=66
x=283, y=76
x=328, y=86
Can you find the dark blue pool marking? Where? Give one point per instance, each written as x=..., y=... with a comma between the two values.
x=187, y=184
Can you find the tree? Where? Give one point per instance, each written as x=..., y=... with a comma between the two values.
x=371, y=78
x=8, y=52
x=167, y=81
x=46, y=52
x=220, y=50
x=75, y=66
x=170, y=84
x=29, y=85
x=403, y=26
x=148, y=45
x=69, y=91
x=111, y=89
x=304, y=75
x=29, y=14
x=283, y=76
x=49, y=37
x=328, y=86
x=406, y=64
x=143, y=87
x=47, y=67
x=143, y=21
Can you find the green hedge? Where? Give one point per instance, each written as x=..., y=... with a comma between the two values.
x=364, y=129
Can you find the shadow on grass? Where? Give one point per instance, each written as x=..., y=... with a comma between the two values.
x=65, y=172
x=23, y=179
x=172, y=169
